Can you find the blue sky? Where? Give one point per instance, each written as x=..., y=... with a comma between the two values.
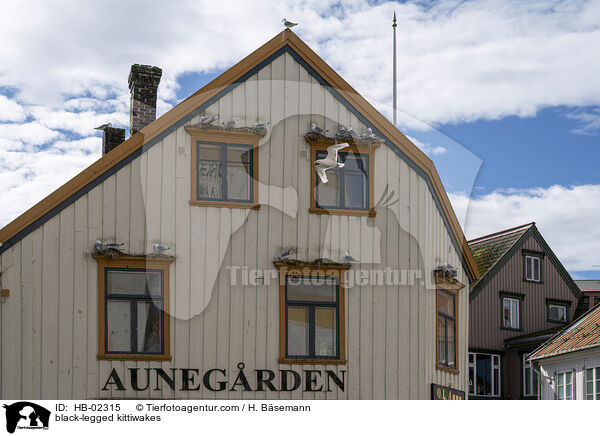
x=503, y=96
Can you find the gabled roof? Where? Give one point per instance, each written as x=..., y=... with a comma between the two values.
x=488, y=250
x=285, y=42
x=491, y=252
x=581, y=334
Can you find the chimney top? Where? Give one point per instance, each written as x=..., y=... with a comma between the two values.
x=143, y=84
x=112, y=137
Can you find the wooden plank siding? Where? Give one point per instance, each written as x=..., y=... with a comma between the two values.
x=485, y=309
x=49, y=323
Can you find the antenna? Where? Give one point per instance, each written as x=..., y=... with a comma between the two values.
x=394, y=87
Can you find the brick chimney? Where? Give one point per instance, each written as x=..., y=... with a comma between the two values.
x=111, y=137
x=143, y=84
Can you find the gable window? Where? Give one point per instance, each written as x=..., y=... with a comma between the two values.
x=511, y=310
x=530, y=378
x=349, y=190
x=311, y=314
x=484, y=374
x=446, y=329
x=557, y=310
x=564, y=386
x=532, y=266
x=224, y=168
x=592, y=383
x=133, y=321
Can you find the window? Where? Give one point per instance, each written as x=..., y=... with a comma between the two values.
x=133, y=321
x=349, y=190
x=511, y=313
x=592, y=383
x=484, y=374
x=532, y=266
x=446, y=329
x=564, y=386
x=596, y=300
x=224, y=168
x=530, y=378
x=557, y=311
x=311, y=314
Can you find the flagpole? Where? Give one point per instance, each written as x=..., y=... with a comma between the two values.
x=394, y=87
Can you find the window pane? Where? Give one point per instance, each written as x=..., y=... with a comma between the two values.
x=496, y=381
x=209, y=152
x=569, y=386
x=325, y=331
x=560, y=386
x=527, y=381
x=471, y=380
x=445, y=302
x=528, y=268
x=356, y=190
x=148, y=327
x=328, y=194
x=483, y=385
x=311, y=288
x=441, y=329
x=297, y=331
x=354, y=161
x=506, y=312
x=536, y=269
x=209, y=179
x=142, y=283
x=238, y=182
x=557, y=313
x=450, y=330
x=119, y=325
x=496, y=360
x=238, y=154
x=471, y=357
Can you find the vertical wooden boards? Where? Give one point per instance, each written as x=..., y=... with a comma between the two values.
x=11, y=316
x=27, y=344
x=82, y=252
x=65, y=302
x=94, y=214
x=36, y=308
x=50, y=312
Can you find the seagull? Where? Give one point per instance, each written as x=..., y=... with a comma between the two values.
x=103, y=126
x=341, y=132
x=368, y=133
x=349, y=259
x=330, y=161
x=99, y=246
x=351, y=132
x=209, y=119
x=160, y=249
x=317, y=129
x=231, y=123
x=285, y=255
x=288, y=24
x=259, y=125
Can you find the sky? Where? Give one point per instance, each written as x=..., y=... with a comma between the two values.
x=503, y=96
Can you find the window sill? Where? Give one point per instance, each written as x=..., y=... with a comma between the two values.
x=511, y=330
x=202, y=203
x=144, y=357
x=312, y=361
x=447, y=369
x=541, y=282
x=344, y=212
x=555, y=321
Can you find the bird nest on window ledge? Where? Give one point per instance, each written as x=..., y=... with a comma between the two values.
x=259, y=131
x=322, y=261
x=113, y=253
x=314, y=137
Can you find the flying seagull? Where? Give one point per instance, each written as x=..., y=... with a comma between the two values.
x=288, y=24
x=160, y=249
x=330, y=161
x=285, y=255
x=317, y=129
x=231, y=123
x=99, y=246
x=103, y=126
x=349, y=259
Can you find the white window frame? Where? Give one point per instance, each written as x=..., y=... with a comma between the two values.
x=536, y=263
x=561, y=388
x=528, y=366
x=514, y=315
x=562, y=306
x=495, y=358
x=595, y=382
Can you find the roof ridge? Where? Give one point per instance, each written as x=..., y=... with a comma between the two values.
x=501, y=233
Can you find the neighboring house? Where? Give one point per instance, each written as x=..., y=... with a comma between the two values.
x=356, y=311
x=524, y=295
x=591, y=293
x=569, y=362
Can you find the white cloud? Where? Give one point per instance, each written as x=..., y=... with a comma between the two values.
x=567, y=217
x=25, y=134
x=589, y=121
x=10, y=110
